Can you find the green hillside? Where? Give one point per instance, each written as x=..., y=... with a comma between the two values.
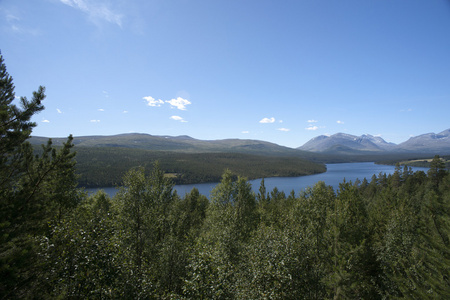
x=105, y=166
x=103, y=160
x=184, y=144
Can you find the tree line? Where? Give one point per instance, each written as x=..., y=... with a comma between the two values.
x=106, y=166
x=386, y=237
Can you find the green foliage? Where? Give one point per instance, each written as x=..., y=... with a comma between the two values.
x=81, y=252
x=106, y=166
x=35, y=190
x=231, y=218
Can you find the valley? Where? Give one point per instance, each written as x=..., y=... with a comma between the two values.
x=103, y=160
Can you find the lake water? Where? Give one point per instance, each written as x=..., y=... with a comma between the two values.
x=334, y=175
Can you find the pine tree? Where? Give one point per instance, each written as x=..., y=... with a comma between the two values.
x=436, y=172
x=34, y=190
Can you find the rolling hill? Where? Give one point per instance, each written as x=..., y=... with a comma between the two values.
x=183, y=144
x=103, y=160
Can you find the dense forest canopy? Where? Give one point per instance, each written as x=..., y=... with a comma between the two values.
x=103, y=167
x=387, y=237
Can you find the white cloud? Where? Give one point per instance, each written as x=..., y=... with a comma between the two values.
x=179, y=103
x=125, y=111
x=59, y=111
x=284, y=129
x=45, y=121
x=96, y=10
x=95, y=121
x=312, y=121
x=340, y=122
x=152, y=102
x=101, y=109
x=312, y=127
x=178, y=118
x=267, y=120
x=245, y=132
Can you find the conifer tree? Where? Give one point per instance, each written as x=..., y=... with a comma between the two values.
x=34, y=190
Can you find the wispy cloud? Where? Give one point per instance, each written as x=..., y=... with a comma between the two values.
x=14, y=24
x=59, y=111
x=100, y=109
x=267, y=120
x=45, y=121
x=125, y=111
x=152, y=102
x=245, y=132
x=340, y=122
x=178, y=118
x=96, y=10
x=179, y=103
x=284, y=129
x=311, y=127
x=94, y=121
x=312, y=121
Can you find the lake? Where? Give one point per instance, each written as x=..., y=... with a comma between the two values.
x=334, y=175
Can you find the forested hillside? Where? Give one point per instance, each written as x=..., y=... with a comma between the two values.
x=105, y=166
x=417, y=162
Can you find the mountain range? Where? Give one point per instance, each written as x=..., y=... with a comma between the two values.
x=185, y=144
x=341, y=143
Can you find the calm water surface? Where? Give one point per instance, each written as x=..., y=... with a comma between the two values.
x=334, y=175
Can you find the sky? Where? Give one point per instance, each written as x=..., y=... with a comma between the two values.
x=278, y=71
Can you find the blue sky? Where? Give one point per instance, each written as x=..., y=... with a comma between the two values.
x=279, y=71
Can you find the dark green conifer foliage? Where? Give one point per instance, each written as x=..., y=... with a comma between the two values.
x=436, y=172
x=34, y=190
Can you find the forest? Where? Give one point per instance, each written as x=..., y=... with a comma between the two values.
x=379, y=238
x=106, y=166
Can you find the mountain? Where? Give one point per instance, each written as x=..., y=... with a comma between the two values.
x=341, y=143
x=429, y=142
x=345, y=143
x=320, y=148
x=184, y=144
